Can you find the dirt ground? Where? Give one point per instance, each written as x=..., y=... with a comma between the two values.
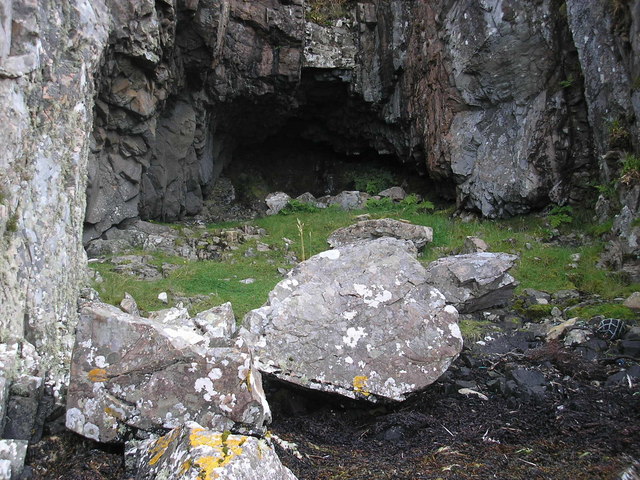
x=579, y=428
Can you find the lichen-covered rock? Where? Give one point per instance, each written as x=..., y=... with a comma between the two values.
x=134, y=372
x=359, y=320
x=276, y=202
x=385, y=227
x=14, y=452
x=192, y=452
x=474, y=281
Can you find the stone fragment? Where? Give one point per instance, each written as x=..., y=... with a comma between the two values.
x=131, y=372
x=558, y=331
x=366, y=230
x=474, y=281
x=276, y=202
x=218, y=322
x=535, y=297
x=394, y=193
x=530, y=385
x=474, y=245
x=359, y=320
x=192, y=452
x=162, y=296
x=633, y=301
x=350, y=200
x=22, y=421
x=14, y=452
x=577, y=336
x=129, y=305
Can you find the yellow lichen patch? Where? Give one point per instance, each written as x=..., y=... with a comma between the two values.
x=112, y=412
x=161, y=446
x=186, y=466
x=225, y=449
x=360, y=385
x=98, y=375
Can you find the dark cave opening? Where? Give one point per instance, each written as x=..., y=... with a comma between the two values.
x=332, y=141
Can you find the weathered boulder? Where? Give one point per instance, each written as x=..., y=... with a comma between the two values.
x=394, y=193
x=385, y=227
x=359, y=320
x=474, y=281
x=474, y=245
x=192, y=452
x=132, y=372
x=13, y=454
x=349, y=200
x=276, y=202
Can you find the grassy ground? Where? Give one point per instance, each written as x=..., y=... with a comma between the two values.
x=543, y=265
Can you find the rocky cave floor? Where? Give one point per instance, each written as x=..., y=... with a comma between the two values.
x=549, y=413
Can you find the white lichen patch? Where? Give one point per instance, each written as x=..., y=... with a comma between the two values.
x=205, y=385
x=451, y=309
x=353, y=336
x=330, y=254
x=348, y=360
x=349, y=315
x=455, y=330
x=100, y=362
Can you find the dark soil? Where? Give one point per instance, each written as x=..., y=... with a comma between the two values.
x=573, y=427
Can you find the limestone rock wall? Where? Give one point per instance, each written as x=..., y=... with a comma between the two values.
x=49, y=51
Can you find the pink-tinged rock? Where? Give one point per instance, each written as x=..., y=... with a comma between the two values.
x=131, y=372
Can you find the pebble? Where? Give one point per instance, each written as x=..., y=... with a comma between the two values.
x=163, y=297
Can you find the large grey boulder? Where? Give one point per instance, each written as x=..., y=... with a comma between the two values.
x=385, y=227
x=192, y=452
x=359, y=320
x=276, y=202
x=474, y=281
x=131, y=372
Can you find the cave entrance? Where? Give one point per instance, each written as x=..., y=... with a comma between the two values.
x=333, y=141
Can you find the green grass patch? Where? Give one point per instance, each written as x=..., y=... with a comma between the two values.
x=474, y=330
x=542, y=266
x=608, y=310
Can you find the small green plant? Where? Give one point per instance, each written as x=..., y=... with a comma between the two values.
x=296, y=206
x=560, y=215
x=373, y=180
x=568, y=82
x=12, y=223
x=619, y=136
x=630, y=173
x=607, y=190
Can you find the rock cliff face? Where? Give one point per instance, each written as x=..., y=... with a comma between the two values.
x=49, y=51
x=507, y=105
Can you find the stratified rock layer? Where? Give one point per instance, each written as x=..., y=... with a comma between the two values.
x=384, y=227
x=360, y=321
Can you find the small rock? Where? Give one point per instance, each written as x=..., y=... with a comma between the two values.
x=163, y=297
x=282, y=271
x=577, y=336
x=394, y=193
x=556, y=332
x=630, y=348
x=262, y=247
x=129, y=305
x=468, y=391
x=474, y=245
x=248, y=281
x=250, y=253
x=276, y=202
x=633, y=301
x=556, y=312
x=14, y=452
x=575, y=257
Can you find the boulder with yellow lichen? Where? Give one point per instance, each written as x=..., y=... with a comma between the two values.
x=192, y=452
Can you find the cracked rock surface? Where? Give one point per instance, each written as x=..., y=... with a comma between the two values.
x=156, y=374
x=360, y=321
